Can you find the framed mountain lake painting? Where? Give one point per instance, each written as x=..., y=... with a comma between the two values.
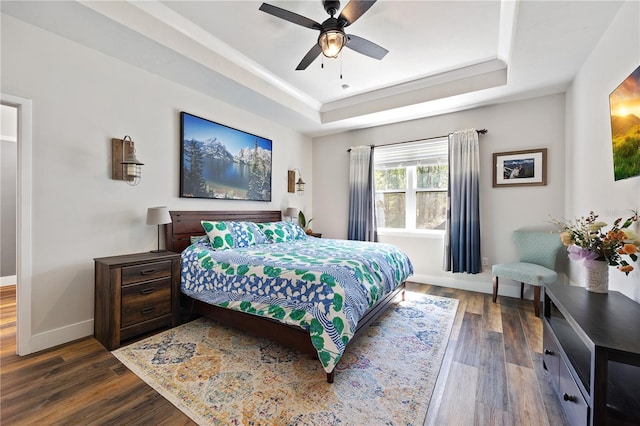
x=220, y=162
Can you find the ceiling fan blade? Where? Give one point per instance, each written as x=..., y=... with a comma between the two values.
x=353, y=10
x=365, y=47
x=290, y=16
x=311, y=55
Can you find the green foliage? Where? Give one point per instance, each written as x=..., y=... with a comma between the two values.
x=193, y=182
x=626, y=156
x=259, y=177
x=433, y=176
x=302, y=220
x=387, y=179
x=392, y=206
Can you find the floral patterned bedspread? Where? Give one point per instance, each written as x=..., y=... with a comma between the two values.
x=321, y=285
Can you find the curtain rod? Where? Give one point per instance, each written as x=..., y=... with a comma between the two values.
x=480, y=132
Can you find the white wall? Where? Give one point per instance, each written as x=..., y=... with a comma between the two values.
x=82, y=99
x=535, y=123
x=590, y=182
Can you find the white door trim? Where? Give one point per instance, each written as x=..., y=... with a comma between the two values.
x=24, y=225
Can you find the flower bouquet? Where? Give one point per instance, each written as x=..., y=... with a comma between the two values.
x=586, y=239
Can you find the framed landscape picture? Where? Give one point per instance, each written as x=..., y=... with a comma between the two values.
x=520, y=168
x=220, y=162
x=624, y=107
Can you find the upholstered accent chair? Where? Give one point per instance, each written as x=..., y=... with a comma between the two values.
x=537, y=251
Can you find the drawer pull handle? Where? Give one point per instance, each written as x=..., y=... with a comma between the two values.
x=147, y=272
x=147, y=290
x=548, y=352
x=146, y=311
x=568, y=397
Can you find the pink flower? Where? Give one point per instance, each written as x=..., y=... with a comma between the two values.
x=579, y=253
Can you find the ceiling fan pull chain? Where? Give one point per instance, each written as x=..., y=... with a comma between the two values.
x=341, y=66
x=322, y=62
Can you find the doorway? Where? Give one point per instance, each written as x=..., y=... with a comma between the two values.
x=23, y=143
x=8, y=188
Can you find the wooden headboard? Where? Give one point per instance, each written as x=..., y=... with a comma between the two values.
x=185, y=224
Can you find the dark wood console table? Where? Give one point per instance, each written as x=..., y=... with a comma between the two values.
x=592, y=353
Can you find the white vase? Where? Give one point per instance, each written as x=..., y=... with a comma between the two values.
x=595, y=276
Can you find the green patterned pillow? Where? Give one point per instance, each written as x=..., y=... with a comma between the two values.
x=220, y=235
x=276, y=232
x=296, y=231
x=197, y=238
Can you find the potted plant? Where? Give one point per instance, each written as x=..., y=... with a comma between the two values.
x=587, y=241
x=304, y=223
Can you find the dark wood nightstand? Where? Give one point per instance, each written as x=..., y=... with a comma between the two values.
x=135, y=294
x=316, y=234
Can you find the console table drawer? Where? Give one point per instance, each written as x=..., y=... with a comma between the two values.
x=571, y=399
x=142, y=302
x=551, y=355
x=146, y=272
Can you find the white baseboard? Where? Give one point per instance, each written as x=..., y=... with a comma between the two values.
x=8, y=280
x=480, y=283
x=58, y=336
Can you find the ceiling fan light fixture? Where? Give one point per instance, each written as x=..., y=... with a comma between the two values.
x=331, y=42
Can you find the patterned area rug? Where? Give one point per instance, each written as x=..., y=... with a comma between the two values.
x=218, y=375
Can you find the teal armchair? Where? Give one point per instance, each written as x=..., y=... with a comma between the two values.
x=537, y=251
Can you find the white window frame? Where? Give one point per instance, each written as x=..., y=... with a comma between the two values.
x=410, y=192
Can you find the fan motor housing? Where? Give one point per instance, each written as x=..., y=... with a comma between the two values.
x=331, y=6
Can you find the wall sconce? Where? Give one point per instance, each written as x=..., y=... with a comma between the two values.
x=292, y=184
x=124, y=164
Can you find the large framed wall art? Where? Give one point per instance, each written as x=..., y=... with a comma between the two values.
x=220, y=162
x=624, y=109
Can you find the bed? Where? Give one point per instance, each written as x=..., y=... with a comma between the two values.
x=299, y=291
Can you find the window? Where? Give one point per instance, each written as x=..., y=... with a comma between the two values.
x=411, y=185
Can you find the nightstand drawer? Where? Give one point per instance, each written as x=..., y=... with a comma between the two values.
x=135, y=294
x=142, y=302
x=146, y=272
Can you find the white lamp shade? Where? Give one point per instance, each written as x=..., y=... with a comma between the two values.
x=291, y=212
x=158, y=215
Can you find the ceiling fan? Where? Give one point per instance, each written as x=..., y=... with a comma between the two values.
x=332, y=37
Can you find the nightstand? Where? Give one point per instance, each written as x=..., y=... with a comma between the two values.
x=135, y=294
x=316, y=234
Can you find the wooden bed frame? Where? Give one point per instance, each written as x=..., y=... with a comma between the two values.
x=187, y=223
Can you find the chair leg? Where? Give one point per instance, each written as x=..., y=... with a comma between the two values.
x=495, y=289
x=536, y=299
x=521, y=290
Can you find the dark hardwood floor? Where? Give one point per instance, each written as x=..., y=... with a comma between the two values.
x=492, y=374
